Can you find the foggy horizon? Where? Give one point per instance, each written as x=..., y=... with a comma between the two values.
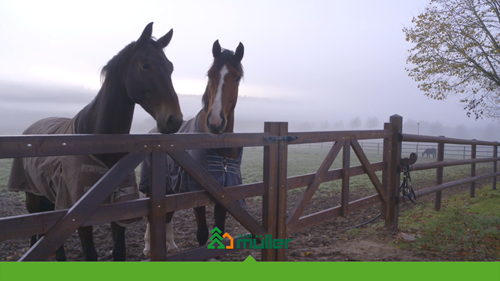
x=24, y=104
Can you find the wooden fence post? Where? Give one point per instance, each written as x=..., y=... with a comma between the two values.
x=473, y=152
x=392, y=213
x=157, y=207
x=346, y=164
x=281, y=232
x=495, y=154
x=385, y=173
x=439, y=175
x=270, y=197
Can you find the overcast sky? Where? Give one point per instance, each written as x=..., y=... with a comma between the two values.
x=316, y=60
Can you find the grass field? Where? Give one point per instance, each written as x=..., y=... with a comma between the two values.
x=468, y=228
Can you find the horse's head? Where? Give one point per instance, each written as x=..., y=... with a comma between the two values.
x=221, y=94
x=148, y=81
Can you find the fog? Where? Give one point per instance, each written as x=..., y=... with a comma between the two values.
x=23, y=104
x=319, y=65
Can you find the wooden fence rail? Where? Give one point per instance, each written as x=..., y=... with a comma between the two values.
x=58, y=225
x=440, y=186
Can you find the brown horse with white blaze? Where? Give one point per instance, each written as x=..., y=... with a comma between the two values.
x=223, y=164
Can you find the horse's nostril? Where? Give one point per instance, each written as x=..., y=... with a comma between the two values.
x=169, y=125
x=174, y=121
x=214, y=129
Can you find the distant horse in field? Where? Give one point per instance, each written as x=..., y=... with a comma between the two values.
x=138, y=74
x=223, y=164
x=429, y=152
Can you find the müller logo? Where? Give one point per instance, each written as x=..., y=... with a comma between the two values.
x=245, y=241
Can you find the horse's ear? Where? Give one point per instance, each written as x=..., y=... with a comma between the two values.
x=146, y=34
x=216, y=49
x=166, y=38
x=239, y=52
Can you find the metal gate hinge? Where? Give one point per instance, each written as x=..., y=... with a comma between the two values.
x=280, y=138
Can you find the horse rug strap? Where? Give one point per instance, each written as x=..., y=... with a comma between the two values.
x=64, y=179
x=225, y=171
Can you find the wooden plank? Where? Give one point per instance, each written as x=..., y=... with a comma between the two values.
x=179, y=154
x=282, y=191
x=202, y=141
x=194, y=199
x=315, y=137
x=28, y=225
x=422, y=138
x=40, y=223
x=305, y=180
x=89, y=202
x=366, y=165
x=157, y=206
x=314, y=219
x=365, y=202
x=33, y=224
x=449, y=163
x=270, y=198
x=328, y=214
x=433, y=189
x=55, y=145
x=473, y=171
x=346, y=165
x=306, y=197
x=439, y=175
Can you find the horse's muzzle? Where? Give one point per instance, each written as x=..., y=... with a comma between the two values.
x=169, y=125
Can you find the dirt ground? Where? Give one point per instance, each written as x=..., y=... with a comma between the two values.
x=325, y=242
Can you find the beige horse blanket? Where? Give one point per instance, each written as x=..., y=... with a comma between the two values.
x=63, y=179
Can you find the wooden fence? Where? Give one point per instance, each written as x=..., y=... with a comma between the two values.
x=452, y=151
x=57, y=226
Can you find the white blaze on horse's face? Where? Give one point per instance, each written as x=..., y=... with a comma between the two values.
x=215, y=118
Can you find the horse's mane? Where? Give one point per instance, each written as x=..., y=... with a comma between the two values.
x=118, y=62
x=222, y=59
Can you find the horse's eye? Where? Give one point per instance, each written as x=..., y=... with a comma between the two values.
x=145, y=65
x=238, y=79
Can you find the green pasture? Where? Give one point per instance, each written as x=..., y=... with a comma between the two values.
x=465, y=228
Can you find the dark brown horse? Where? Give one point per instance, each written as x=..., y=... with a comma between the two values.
x=138, y=74
x=216, y=117
x=430, y=152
